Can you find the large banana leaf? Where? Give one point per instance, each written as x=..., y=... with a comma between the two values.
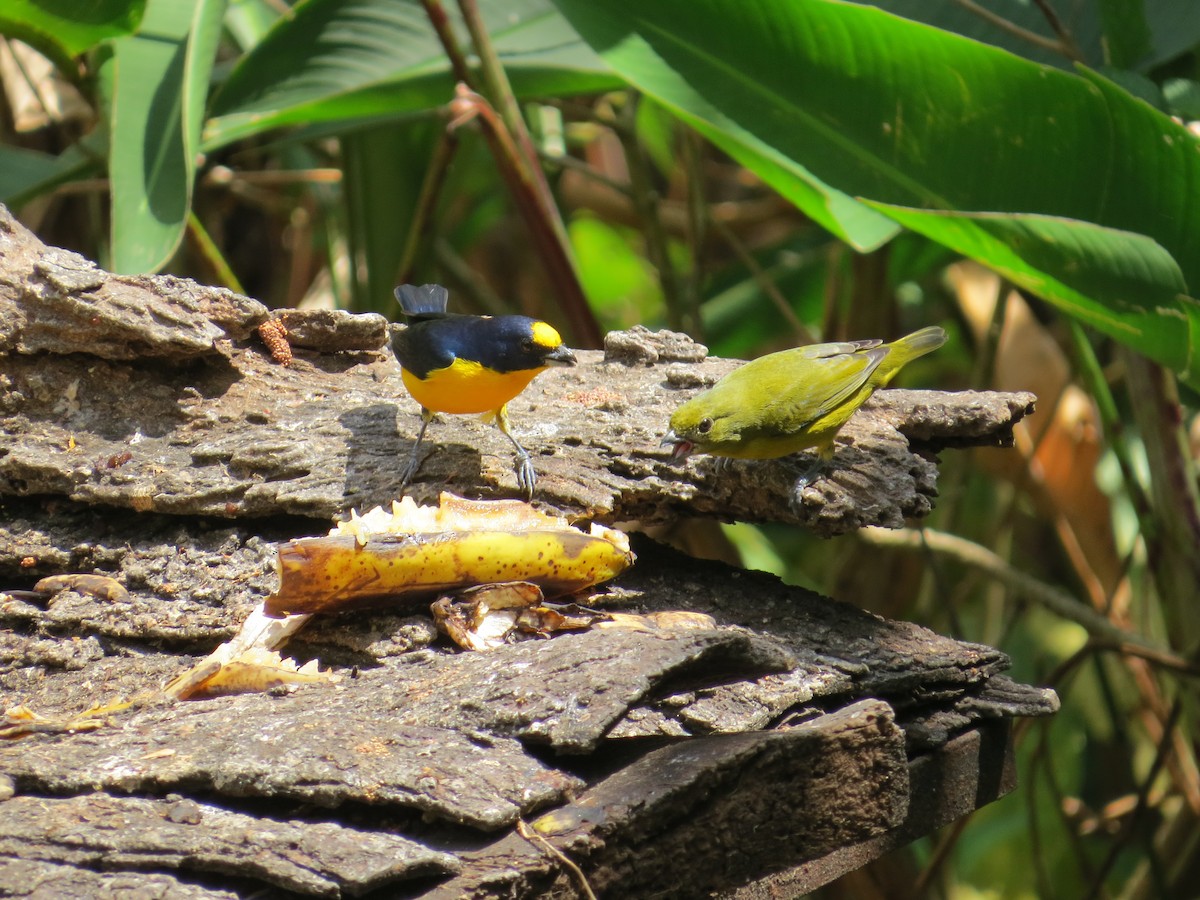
x=157, y=81
x=63, y=29
x=347, y=60
x=849, y=101
x=1070, y=264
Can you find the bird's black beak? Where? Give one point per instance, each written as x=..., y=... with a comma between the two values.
x=680, y=449
x=560, y=356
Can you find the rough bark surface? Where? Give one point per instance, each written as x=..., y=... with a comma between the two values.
x=114, y=394
x=128, y=833
x=147, y=434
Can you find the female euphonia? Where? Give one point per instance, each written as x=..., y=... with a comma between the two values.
x=792, y=400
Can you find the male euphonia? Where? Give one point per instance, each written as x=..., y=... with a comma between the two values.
x=792, y=400
x=470, y=364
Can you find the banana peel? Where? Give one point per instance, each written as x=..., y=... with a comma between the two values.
x=512, y=555
x=417, y=552
x=411, y=551
x=246, y=662
x=492, y=615
x=253, y=671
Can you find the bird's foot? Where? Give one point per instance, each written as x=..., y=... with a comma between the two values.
x=722, y=464
x=526, y=476
x=807, y=477
x=410, y=470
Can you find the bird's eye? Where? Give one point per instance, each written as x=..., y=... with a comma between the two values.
x=527, y=344
x=705, y=426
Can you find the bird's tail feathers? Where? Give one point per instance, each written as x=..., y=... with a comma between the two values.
x=425, y=302
x=906, y=349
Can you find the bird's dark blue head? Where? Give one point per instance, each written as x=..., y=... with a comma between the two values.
x=519, y=342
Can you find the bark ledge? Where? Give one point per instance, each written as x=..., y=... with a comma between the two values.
x=147, y=434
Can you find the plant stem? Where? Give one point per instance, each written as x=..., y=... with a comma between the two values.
x=518, y=161
x=1066, y=48
x=441, y=24
x=1054, y=599
x=645, y=204
x=431, y=188
x=1172, y=533
x=211, y=254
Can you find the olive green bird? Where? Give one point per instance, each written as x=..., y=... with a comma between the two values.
x=792, y=400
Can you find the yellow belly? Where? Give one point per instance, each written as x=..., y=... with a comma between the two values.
x=467, y=387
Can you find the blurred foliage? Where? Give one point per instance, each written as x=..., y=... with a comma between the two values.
x=759, y=174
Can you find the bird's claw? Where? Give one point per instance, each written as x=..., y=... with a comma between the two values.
x=410, y=470
x=526, y=476
x=722, y=464
x=797, y=498
x=807, y=477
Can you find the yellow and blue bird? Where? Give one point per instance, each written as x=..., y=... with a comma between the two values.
x=464, y=364
x=792, y=400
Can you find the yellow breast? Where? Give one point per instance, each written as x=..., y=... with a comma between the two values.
x=466, y=387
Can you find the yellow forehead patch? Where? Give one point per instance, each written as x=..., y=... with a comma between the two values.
x=545, y=336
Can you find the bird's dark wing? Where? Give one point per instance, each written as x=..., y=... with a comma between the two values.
x=426, y=345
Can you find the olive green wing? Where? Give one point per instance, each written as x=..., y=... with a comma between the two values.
x=809, y=383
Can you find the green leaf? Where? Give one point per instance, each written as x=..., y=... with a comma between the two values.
x=1127, y=37
x=339, y=60
x=384, y=170
x=25, y=174
x=1122, y=284
x=63, y=29
x=620, y=284
x=159, y=80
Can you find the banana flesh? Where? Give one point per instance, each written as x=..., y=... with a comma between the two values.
x=376, y=558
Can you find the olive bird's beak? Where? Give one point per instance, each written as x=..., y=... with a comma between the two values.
x=560, y=356
x=680, y=449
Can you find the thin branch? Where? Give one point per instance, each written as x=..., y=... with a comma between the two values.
x=645, y=204
x=1065, y=48
x=1131, y=828
x=431, y=189
x=764, y=281
x=699, y=219
x=540, y=208
x=211, y=254
x=566, y=161
x=441, y=24
x=223, y=176
x=1057, y=26
x=581, y=882
x=1052, y=598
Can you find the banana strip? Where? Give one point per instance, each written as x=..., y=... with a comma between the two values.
x=420, y=552
x=255, y=670
x=259, y=633
x=100, y=586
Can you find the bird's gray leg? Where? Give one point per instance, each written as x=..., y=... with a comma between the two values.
x=809, y=475
x=415, y=460
x=523, y=467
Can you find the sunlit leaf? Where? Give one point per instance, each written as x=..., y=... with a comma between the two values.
x=159, y=79
x=1124, y=285
x=338, y=60
x=838, y=100
x=620, y=284
x=63, y=29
